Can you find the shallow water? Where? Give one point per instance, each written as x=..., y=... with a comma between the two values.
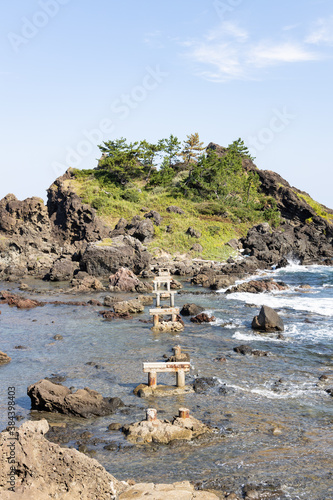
x=279, y=393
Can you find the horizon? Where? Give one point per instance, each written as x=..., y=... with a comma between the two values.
x=76, y=74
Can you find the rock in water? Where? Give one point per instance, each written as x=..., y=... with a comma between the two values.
x=268, y=321
x=47, y=396
x=125, y=280
x=4, y=358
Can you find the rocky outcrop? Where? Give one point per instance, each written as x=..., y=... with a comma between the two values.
x=258, y=286
x=72, y=220
x=143, y=230
x=175, y=210
x=122, y=251
x=125, y=280
x=191, y=310
x=63, y=270
x=18, y=301
x=43, y=470
x=48, y=396
x=128, y=306
x=203, y=318
x=247, y=350
x=155, y=216
x=268, y=321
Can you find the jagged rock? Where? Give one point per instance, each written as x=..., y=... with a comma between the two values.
x=259, y=286
x=146, y=300
x=222, y=282
x=157, y=218
x=163, y=431
x=109, y=315
x=44, y=470
x=235, y=244
x=202, y=384
x=73, y=221
x=109, y=300
x=262, y=491
x=128, y=306
x=175, y=210
x=47, y=396
x=125, y=280
x=4, y=358
x=268, y=321
x=123, y=251
x=143, y=230
x=194, y=233
x=191, y=310
x=63, y=270
x=203, y=318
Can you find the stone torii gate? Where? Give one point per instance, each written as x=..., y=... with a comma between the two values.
x=165, y=278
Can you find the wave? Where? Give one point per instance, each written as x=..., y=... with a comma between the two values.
x=252, y=336
x=319, y=305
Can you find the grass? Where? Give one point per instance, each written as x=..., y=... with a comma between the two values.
x=216, y=225
x=317, y=207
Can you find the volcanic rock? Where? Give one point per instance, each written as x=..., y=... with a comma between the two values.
x=268, y=321
x=47, y=396
x=203, y=318
x=191, y=310
x=259, y=286
x=4, y=358
x=125, y=280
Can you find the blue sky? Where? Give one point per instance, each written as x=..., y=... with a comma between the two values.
x=75, y=72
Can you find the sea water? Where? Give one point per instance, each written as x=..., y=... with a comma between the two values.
x=272, y=416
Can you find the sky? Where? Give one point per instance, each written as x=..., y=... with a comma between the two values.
x=75, y=73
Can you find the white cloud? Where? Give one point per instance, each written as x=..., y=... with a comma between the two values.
x=322, y=32
x=229, y=52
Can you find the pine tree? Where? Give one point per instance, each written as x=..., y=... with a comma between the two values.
x=192, y=148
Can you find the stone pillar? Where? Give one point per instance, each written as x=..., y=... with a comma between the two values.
x=172, y=299
x=180, y=378
x=151, y=414
x=184, y=413
x=158, y=300
x=152, y=379
x=156, y=319
x=177, y=350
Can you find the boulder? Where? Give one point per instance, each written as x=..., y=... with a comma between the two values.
x=47, y=396
x=246, y=350
x=267, y=321
x=87, y=284
x=222, y=282
x=196, y=248
x=202, y=384
x=194, y=233
x=142, y=230
x=124, y=280
x=203, y=318
x=155, y=216
x=4, y=358
x=63, y=270
x=122, y=251
x=191, y=310
x=129, y=306
x=175, y=210
x=109, y=315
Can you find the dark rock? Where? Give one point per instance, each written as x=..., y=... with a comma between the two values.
x=246, y=350
x=157, y=218
x=124, y=251
x=222, y=282
x=143, y=230
x=175, y=210
x=203, y=318
x=87, y=284
x=268, y=320
x=262, y=492
x=204, y=383
x=63, y=270
x=194, y=233
x=191, y=310
x=47, y=396
x=109, y=315
x=330, y=391
x=58, y=337
x=114, y=427
x=197, y=248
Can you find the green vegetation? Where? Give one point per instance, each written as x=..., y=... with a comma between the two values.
x=219, y=197
x=317, y=207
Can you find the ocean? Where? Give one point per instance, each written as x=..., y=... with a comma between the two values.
x=272, y=416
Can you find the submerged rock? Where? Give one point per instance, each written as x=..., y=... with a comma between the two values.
x=4, y=358
x=203, y=318
x=191, y=309
x=246, y=350
x=258, y=286
x=267, y=321
x=48, y=396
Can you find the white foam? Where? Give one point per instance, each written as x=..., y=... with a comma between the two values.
x=251, y=336
x=321, y=305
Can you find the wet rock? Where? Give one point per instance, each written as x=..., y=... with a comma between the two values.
x=246, y=350
x=330, y=391
x=175, y=210
x=262, y=492
x=194, y=233
x=109, y=300
x=220, y=282
x=267, y=321
x=94, y=302
x=202, y=384
x=4, y=358
x=114, y=426
x=129, y=306
x=58, y=337
x=109, y=315
x=125, y=280
x=47, y=396
x=203, y=318
x=16, y=300
x=258, y=286
x=168, y=326
x=191, y=309
x=87, y=284
x=175, y=285
x=146, y=300
x=163, y=431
